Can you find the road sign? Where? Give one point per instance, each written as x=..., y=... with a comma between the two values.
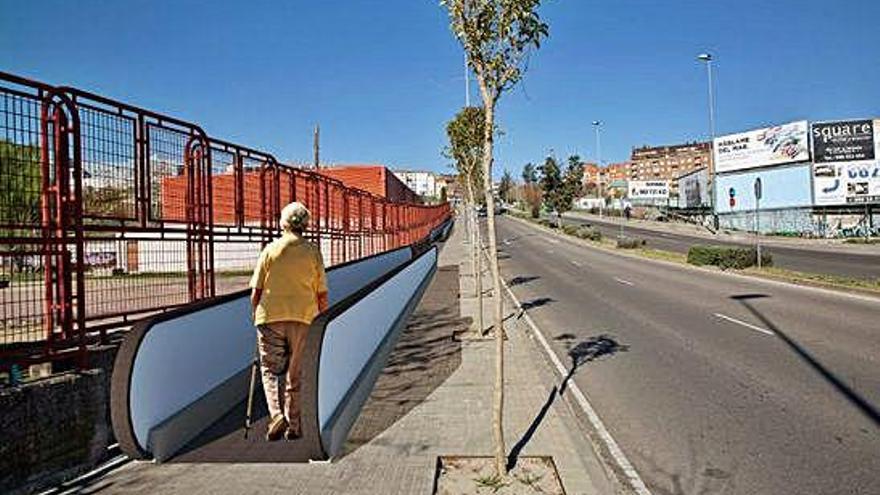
x=732, y=201
x=732, y=192
x=758, y=188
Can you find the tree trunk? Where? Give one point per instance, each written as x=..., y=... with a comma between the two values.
x=476, y=258
x=498, y=409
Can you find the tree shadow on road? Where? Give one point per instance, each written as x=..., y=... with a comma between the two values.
x=583, y=352
x=537, y=303
x=521, y=280
x=851, y=395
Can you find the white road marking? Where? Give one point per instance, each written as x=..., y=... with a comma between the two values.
x=620, y=458
x=575, y=263
x=624, y=282
x=553, y=241
x=747, y=325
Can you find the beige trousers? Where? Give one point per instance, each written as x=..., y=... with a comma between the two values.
x=281, y=346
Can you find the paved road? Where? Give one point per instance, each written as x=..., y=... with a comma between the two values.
x=721, y=384
x=804, y=260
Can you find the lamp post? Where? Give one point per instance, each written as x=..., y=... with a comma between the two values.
x=707, y=59
x=596, y=125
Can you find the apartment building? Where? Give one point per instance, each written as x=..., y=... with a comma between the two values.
x=668, y=162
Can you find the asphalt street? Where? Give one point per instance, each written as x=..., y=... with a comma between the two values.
x=803, y=260
x=710, y=383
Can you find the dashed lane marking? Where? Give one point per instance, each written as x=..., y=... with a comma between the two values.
x=624, y=282
x=745, y=324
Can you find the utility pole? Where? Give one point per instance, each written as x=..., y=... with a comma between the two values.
x=317, y=146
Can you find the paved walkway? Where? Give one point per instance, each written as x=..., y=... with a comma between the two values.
x=433, y=398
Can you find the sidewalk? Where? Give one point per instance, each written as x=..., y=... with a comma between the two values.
x=433, y=398
x=825, y=245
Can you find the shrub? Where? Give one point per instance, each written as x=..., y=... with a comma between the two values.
x=630, y=243
x=570, y=229
x=726, y=257
x=589, y=233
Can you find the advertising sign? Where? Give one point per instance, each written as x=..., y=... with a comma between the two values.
x=785, y=143
x=846, y=183
x=845, y=141
x=648, y=189
x=693, y=189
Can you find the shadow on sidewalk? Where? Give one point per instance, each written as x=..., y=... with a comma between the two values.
x=851, y=395
x=583, y=352
x=424, y=357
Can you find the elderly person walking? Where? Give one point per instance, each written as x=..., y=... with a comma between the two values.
x=289, y=290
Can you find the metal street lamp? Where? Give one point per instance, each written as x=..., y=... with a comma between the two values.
x=707, y=59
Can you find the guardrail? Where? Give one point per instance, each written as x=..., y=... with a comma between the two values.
x=178, y=373
x=110, y=212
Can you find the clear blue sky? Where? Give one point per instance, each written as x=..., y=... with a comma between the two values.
x=382, y=76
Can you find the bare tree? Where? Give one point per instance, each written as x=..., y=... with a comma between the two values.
x=497, y=37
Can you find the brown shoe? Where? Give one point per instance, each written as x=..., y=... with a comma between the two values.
x=294, y=429
x=276, y=429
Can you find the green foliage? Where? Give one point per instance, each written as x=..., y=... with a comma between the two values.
x=465, y=133
x=108, y=201
x=551, y=184
x=589, y=233
x=505, y=187
x=630, y=243
x=493, y=482
x=497, y=36
x=570, y=229
x=529, y=174
x=20, y=184
x=561, y=189
x=726, y=257
x=573, y=180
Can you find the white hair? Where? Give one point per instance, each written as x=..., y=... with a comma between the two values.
x=294, y=217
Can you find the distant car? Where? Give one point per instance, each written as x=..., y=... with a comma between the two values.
x=482, y=211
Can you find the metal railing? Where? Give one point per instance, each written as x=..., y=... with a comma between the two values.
x=110, y=212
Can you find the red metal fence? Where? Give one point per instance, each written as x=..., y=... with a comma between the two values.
x=109, y=212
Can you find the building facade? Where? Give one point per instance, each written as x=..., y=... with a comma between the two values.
x=421, y=182
x=375, y=179
x=669, y=162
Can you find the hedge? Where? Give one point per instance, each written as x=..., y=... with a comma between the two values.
x=630, y=242
x=726, y=257
x=589, y=233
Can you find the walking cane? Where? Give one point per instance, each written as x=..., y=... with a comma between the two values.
x=250, y=403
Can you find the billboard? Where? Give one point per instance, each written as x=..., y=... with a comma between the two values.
x=648, y=189
x=844, y=183
x=845, y=141
x=786, y=143
x=693, y=189
x=783, y=187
